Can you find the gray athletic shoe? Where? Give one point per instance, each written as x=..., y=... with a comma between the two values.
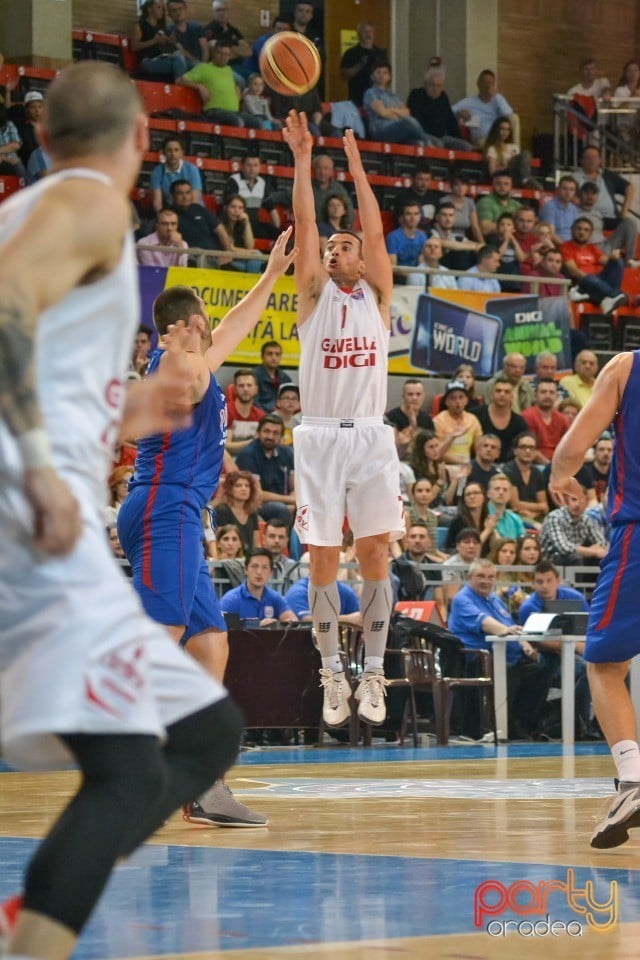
x=623, y=814
x=335, y=709
x=219, y=808
x=371, y=693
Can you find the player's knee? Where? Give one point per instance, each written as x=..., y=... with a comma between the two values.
x=207, y=743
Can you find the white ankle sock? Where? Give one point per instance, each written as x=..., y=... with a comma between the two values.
x=626, y=755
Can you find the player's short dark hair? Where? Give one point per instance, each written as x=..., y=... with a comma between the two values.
x=351, y=233
x=259, y=552
x=174, y=304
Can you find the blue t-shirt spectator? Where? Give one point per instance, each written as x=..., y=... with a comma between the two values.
x=297, y=597
x=248, y=607
x=161, y=178
x=406, y=249
x=479, y=284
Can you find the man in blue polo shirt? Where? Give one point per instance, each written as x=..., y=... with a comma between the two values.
x=175, y=167
x=547, y=586
x=405, y=244
x=476, y=613
x=297, y=597
x=253, y=599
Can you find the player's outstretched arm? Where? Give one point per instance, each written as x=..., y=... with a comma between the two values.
x=309, y=270
x=377, y=262
x=37, y=268
x=239, y=322
x=593, y=419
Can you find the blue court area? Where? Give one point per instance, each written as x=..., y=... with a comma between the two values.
x=327, y=871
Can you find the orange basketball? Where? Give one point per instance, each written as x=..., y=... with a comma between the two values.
x=289, y=63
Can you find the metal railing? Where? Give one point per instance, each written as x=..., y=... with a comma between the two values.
x=615, y=129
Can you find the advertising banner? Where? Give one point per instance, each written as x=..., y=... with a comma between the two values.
x=430, y=333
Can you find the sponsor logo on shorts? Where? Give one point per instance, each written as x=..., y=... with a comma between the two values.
x=302, y=517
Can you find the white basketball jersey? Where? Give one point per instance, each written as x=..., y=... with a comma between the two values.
x=344, y=350
x=83, y=347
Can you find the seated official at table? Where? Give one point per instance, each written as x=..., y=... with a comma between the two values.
x=476, y=613
x=297, y=596
x=547, y=586
x=253, y=599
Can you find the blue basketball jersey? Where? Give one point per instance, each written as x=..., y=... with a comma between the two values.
x=624, y=479
x=189, y=459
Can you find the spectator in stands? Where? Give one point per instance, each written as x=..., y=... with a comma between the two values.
x=419, y=192
x=255, y=102
x=491, y=205
x=238, y=505
x=506, y=522
x=243, y=416
x=421, y=495
x=591, y=85
x=405, y=243
x=157, y=51
x=217, y=86
x=430, y=106
x=597, y=275
x=410, y=416
x=387, y=117
x=198, y=226
x=275, y=538
x=525, y=221
x=509, y=250
x=628, y=89
x=418, y=545
x=473, y=512
x=516, y=585
x=623, y=237
x=118, y=492
x=466, y=218
x=514, y=367
x=459, y=252
x=600, y=467
x=550, y=267
x=140, y=354
x=297, y=596
x=501, y=152
x=456, y=428
x=529, y=496
x=358, y=62
x=166, y=234
x=188, y=35
x=561, y=212
x=483, y=466
x=568, y=537
x=10, y=144
x=248, y=184
x=465, y=373
x=33, y=106
x=546, y=423
x=569, y=407
x=251, y=64
x=237, y=225
x=610, y=185
x=427, y=462
x=219, y=29
x=325, y=185
x=229, y=543
x=254, y=600
x=488, y=262
x=334, y=219
x=174, y=168
x=288, y=409
x=267, y=458
x=579, y=385
x=431, y=255
x=479, y=112
x=545, y=367
x=228, y=570
x=498, y=417
x=476, y=613
x=39, y=163
x=455, y=567
x=270, y=376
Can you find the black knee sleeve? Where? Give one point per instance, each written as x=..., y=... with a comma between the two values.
x=204, y=745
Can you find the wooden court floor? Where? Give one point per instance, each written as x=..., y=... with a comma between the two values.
x=462, y=853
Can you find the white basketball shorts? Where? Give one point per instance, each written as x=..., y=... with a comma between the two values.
x=77, y=652
x=346, y=468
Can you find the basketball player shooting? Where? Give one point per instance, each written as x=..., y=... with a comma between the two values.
x=346, y=461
